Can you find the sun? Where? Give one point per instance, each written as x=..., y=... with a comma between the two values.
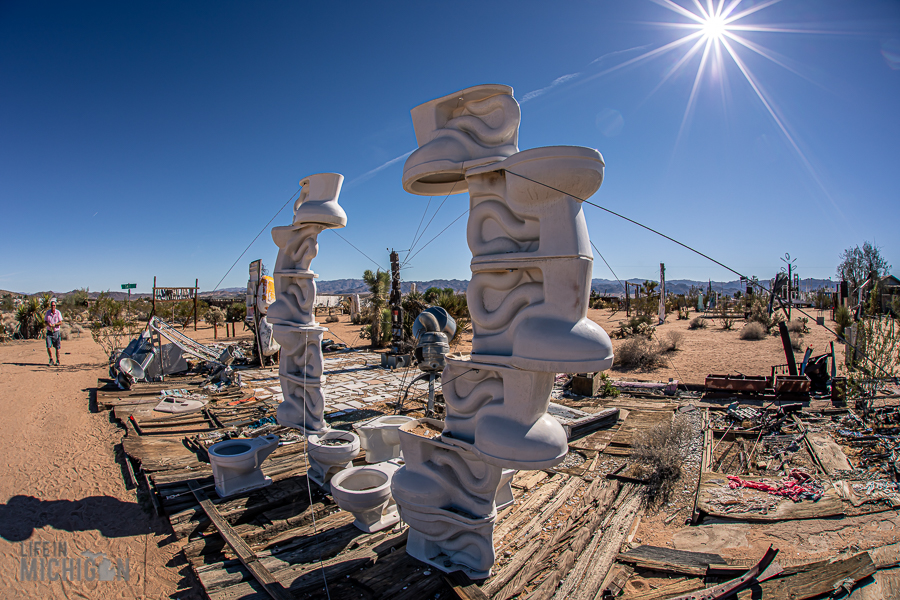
x=713, y=27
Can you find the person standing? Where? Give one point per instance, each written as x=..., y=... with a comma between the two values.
x=53, y=319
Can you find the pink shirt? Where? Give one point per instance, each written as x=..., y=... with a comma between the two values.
x=53, y=318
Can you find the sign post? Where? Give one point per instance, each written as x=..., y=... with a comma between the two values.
x=129, y=287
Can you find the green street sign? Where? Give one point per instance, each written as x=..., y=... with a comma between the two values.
x=129, y=286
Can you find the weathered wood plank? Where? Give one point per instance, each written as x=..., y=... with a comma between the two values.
x=463, y=587
x=880, y=586
x=813, y=582
x=670, y=560
x=244, y=553
x=829, y=454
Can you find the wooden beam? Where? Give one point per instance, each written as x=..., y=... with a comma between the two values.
x=240, y=547
x=705, y=460
x=463, y=587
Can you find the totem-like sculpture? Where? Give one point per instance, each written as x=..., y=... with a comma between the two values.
x=528, y=299
x=293, y=315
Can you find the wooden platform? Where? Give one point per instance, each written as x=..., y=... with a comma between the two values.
x=566, y=535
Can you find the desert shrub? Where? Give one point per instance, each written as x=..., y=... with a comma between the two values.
x=753, y=331
x=105, y=311
x=236, y=312
x=878, y=339
x=184, y=313
x=114, y=336
x=796, y=341
x=608, y=390
x=684, y=313
x=141, y=309
x=659, y=453
x=64, y=331
x=75, y=301
x=638, y=353
x=636, y=325
x=842, y=319
x=698, y=323
x=759, y=313
x=798, y=325
x=76, y=328
x=671, y=340
x=7, y=303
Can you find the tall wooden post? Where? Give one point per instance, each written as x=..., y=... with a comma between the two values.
x=196, y=292
x=153, y=311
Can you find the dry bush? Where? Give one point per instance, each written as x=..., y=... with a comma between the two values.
x=671, y=341
x=753, y=331
x=796, y=341
x=698, y=323
x=76, y=328
x=659, y=453
x=638, y=353
x=797, y=326
x=64, y=331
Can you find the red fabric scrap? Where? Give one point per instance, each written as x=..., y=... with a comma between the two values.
x=797, y=486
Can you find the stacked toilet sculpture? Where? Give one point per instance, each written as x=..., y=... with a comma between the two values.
x=293, y=316
x=528, y=298
x=363, y=491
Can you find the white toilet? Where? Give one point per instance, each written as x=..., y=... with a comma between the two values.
x=236, y=464
x=380, y=437
x=365, y=492
x=330, y=452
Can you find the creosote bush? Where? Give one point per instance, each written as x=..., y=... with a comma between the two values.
x=797, y=325
x=698, y=323
x=659, y=453
x=638, y=353
x=671, y=340
x=753, y=331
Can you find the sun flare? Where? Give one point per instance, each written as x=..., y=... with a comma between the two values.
x=713, y=27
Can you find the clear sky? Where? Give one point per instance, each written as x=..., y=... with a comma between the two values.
x=158, y=138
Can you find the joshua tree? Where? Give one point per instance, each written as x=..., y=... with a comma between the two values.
x=378, y=283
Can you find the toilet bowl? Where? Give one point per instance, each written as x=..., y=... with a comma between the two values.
x=365, y=492
x=236, y=464
x=380, y=437
x=330, y=452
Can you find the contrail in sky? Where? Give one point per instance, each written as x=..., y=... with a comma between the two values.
x=563, y=79
x=617, y=52
x=542, y=91
x=378, y=169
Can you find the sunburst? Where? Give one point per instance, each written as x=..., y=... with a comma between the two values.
x=714, y=34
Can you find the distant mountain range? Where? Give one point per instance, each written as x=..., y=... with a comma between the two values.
x=606, y=287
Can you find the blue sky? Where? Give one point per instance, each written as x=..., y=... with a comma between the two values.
x=141, y=139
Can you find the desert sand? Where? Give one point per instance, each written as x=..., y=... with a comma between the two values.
x=62, y=475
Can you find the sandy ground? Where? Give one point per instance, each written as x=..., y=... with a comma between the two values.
x=62, y=482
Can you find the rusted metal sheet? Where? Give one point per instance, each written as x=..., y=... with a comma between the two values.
x=791, y=384
x=737, y=383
